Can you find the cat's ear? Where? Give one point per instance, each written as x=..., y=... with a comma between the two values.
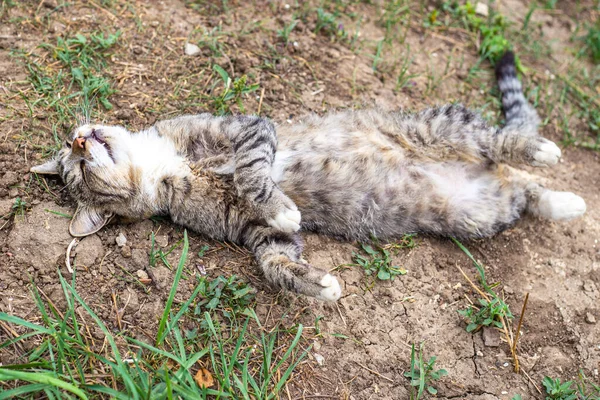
x=88, y=220
x=48, y=168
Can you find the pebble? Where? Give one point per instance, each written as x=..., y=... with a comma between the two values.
x=121, y=240
x=482, y=9
x=126, y=251
x=319, y=359
x=191, y=49
x=589, y=318
x=141, y=274
x=491, y=337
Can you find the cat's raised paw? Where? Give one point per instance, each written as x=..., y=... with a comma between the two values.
x=286, y=221
x=561, y=206
x=332, y=290
x=547, y=154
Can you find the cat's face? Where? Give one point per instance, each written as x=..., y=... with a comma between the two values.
x=95, y=164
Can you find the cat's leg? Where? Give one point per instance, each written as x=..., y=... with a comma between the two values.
x=278, y=255
x=253, y=142
x=553, y=205
x=453, y=130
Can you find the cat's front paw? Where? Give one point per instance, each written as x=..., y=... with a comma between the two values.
x=282, y=213
x=331, y=291
x=287, y=220
x=546, y=154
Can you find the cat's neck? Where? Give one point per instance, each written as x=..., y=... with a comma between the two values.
x=155, y=160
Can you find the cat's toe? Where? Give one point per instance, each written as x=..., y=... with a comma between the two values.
x=332, y=290
x=286, y=221
x=561, y=205
x=547, y=154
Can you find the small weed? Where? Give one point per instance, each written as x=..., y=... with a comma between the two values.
x=377, y=263
x=491, y=311
x=555, y=390
x=19, y=206
x=231, y=296
x=232, y=92
x=487, y=314
x=328, y=24
x=422, y=374
x=287, y=30
x=404, y=76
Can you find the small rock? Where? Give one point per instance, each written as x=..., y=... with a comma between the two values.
x=491, y=337
x=161, y=276
x=482, y=9
x=10, y=178
x=319, y=359
x=589, y=318
x=162, y=240
x=141, y=274
x=191, y=49
x=6, y=207
x=88, y=251
x=126, y=251
x=121, y=240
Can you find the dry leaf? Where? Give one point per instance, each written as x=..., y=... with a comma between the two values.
x=203, y=378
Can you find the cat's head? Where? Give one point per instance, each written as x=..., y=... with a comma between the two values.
x=95, y=164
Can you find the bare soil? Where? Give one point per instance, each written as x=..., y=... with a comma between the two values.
x=373, y=326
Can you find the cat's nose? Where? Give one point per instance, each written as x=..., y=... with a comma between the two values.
x=80, y=142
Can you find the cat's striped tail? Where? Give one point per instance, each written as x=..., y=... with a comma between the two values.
x=520, y=115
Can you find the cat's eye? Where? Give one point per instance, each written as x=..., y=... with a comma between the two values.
x=68, y=144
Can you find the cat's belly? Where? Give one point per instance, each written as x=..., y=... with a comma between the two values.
x=357, y=198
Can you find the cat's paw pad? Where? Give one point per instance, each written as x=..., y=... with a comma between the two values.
x=286, y=221
x=547, y=154
x=331, y=291
x=561, y=205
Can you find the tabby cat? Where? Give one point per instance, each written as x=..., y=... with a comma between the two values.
x=352, y=174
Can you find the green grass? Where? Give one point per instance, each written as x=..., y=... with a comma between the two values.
x=68, y=88
x=490, y=311
x=67, y=362
x=422, y=374
x=287, y=29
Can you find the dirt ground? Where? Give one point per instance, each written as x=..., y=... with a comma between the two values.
x=365, y=338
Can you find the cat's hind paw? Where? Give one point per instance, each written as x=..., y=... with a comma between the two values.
x=547, y=154
x=331, y=291
x=561, y=206
x=287, y=220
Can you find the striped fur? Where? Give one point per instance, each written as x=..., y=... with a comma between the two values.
x=352, y=174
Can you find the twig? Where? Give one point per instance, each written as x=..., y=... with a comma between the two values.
x=117, y=310
x=68, y=257
x=375, y=372
x=532, y=381
x=484, y=295
x=514, y=348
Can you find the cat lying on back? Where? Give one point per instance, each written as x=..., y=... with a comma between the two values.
x=352, y=174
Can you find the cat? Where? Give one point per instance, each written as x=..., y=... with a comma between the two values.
x=354, y=174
